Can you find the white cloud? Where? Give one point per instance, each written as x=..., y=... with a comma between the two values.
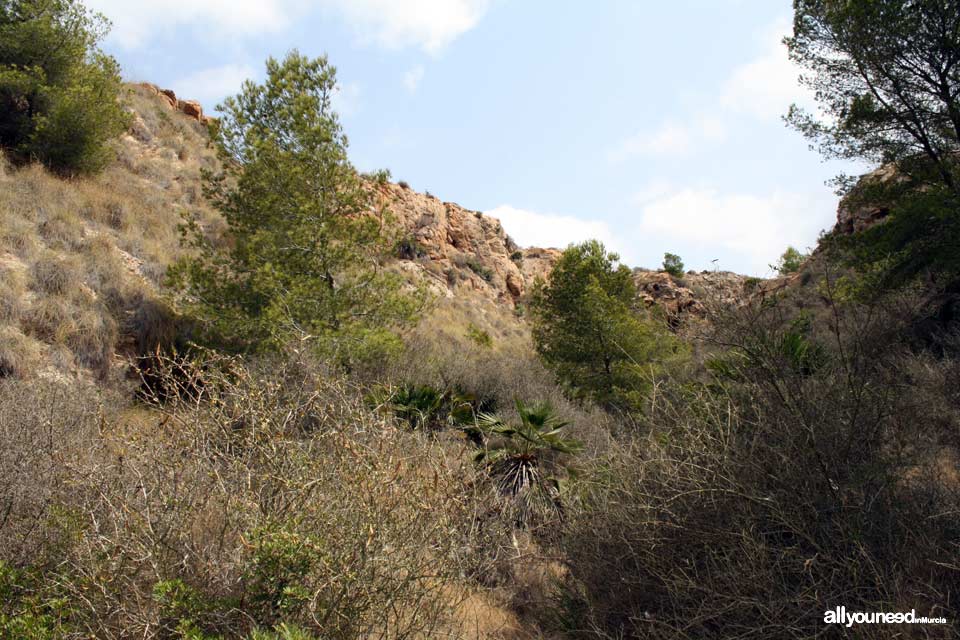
x=210, y=86
x=671, y=138
x=533, y=229
x=747, y=231
x=412, y=78
x=136, y=22
x=766, y=86
x=428, y=24
x=653, y=190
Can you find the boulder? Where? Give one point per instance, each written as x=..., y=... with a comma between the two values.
x=514, y=285
x=191, y=108
x=169, y=97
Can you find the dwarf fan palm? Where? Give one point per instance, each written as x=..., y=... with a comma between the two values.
x=524, y=458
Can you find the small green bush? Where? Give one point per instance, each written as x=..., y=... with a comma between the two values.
x=408, y=248
x=790, y=262
x=586, y=330
x=672, y=264
x=480, y=270
x=478, y=336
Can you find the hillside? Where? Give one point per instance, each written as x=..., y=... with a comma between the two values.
x=250, y=393
x=83, y=262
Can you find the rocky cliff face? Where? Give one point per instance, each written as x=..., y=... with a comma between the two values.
x=461, y=251
x=190, y=108
x=857, y=210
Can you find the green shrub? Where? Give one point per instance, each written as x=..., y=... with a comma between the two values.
x=790, y=262
x=484, y=272
x=672, y=264
x=479, y=336
x=409, y=249
x=525, y=458
x=302, y=269
x=426, y=407
x=60, y=95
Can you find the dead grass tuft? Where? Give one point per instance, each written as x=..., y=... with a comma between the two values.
x=19, y=355
x=55, y=274
x=12, y=293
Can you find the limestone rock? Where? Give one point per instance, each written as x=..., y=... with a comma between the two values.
x=514, y=285
x=466, y=250
x=856, y=213
x=191, y=108
x=690, y=295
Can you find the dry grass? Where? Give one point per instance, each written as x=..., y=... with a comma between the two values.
x=56, y=274
x=20, y=356
x=97, y=249
x=13, y=290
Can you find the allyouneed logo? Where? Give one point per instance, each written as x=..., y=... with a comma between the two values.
x=840, y=615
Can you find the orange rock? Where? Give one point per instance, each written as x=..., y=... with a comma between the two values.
x=514, y=285
x=169, y=97
x=191, y=108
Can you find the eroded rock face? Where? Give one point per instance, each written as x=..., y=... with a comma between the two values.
x=659, y=288
x=459, y=249
x=856, y=213
x=190, y=108
x=688, y=296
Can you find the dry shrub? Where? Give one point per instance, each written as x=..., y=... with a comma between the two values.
x=49, y=319
x=18, y=236
x=93, y=338
x=67, y=232
x=801, y=476
x=106, y=273
x=248, y=501
x=12, y=292
x=88, y=331
x=62, y=229
x=55, y=274
x=19, y=355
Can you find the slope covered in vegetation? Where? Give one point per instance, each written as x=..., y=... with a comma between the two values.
x=341, y=409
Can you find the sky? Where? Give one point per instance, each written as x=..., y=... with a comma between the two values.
x=651, y=126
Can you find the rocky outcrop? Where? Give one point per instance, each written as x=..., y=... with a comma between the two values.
x=190, y=108
x=688, y=296
x=538, y=263
x=458, y=249
x=861, y=209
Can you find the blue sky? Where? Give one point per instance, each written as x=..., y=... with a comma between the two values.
x=653, y=126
